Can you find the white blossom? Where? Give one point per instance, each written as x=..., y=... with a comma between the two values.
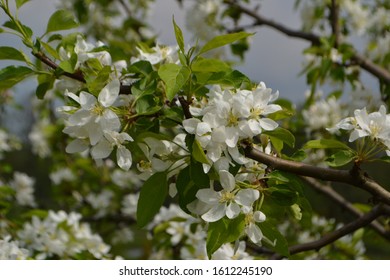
x=226, y=202
x=24, y=190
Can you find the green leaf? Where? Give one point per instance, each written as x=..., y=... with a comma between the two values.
x=186, y=189
x=45, y=82
x=51, y=50
x=326, y=144
x=174, y=77
x=198, y=176
x=11, y=54
x=151, y=198
x=279, y=243
x=141, y=67
x=340, y=158
x=209, y=65
x=282, y=195
x=234, y=78
x=20, y=3
x=223, y=231
x=223, y=40
x=179, y=35
x=198, y=153
x=27, y=30
x=12, y=75
x=61, y=20
x=283, y=135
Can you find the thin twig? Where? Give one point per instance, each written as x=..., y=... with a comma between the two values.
x=334, y=19
x=353, y=177
x=329, y=238
x=344, y=203
x=359, y=59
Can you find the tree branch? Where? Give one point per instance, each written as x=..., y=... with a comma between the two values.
x=334, y=19
x=353, y=177
x=342, y=202
x=359, y=59
x=329, y=238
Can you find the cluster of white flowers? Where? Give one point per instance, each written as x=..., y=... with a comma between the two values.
x=61, y=235
x=10, y=250
x=375, y=125
x=23, y=185
x=158, y=55
x=322, y=114
x=38, y=138
x=101, y=202
x=7, y=142
x=202, y=19
x=62, y=175
x=96, y=124
x=231, y=116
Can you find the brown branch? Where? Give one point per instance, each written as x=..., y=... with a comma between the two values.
x=186, y=107
x=344, y=203
x=329, y=238
x=353, y=177
x=334, y=19
x=359, y=59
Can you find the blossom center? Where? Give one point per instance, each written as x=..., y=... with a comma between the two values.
x=226, y=197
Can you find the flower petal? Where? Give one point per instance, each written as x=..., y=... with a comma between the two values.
x=124, y=158
x=214, y=214
x=246, y=197
x=232, y=210
x=109, y=93
x=227, y=180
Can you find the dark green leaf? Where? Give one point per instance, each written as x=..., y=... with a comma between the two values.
x=45, y=82
x=12, y=75
x=151, y=198
x=141, y=67
x=282, y=195
x=186, y=189
x=198, y=176
x=223, y=40
x=223, y=231
x=174, y=77
x=283, y=135
x=11, y=54
x=61, y=20
x=280, y=244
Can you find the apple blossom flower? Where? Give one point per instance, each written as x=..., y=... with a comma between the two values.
x=251, y=229
x=24, y=190
x=227, y=252
x=226, y=202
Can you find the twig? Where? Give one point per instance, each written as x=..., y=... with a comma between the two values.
x=344, y=203
x=329, y=238
x=354, y=177
x=334, y=19
x=186, y=107
x=359, y=59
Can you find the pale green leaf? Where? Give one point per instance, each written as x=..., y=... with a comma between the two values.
x=12, y=75
x=179, y=35
x=61, y=20
x=174, y=77
x=20, y=3
x=223, y=40
x=198, y=153
x=210, y=65
x=340, y=158
x=326, y=144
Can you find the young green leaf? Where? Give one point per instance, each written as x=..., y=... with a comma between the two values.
x=210, y=65
x=179, y=35
x=20, y=3
x=198, y=153
x=223, y=40
x=174, y=77
x=11, y=54
x=12, y=75
x=326, y=144
x=61, y=20
x=340, y=158
x=151, y=198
